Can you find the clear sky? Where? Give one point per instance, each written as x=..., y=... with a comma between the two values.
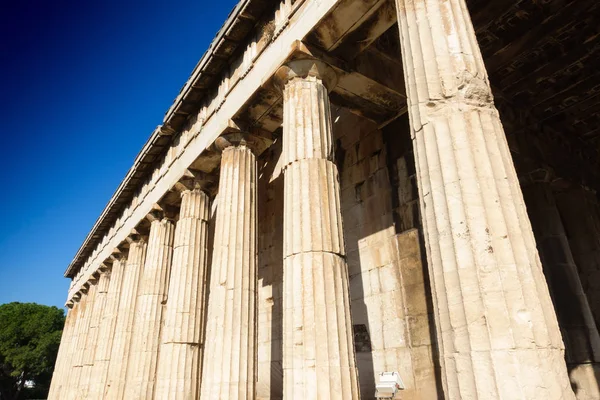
x=82, y=86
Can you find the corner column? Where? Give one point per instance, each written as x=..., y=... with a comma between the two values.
x=78, y=309
x=106, y=330
x=119, y=356
x=318, y=349
x=497, y=330
x=63, y=353
x=152, y=295
x=180, y=358
x=229, y=367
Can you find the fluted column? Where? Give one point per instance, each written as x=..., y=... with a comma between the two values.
x=318, y=350
x=496, y=328
x=580, y=214
x=181, y=342
x=63, y=390
x=63, y=354
x=106, y=330
x=92, y=335
x=229, y=367
x=119, y=356
x=152, y=295
x=579, y=331
x=82, y=335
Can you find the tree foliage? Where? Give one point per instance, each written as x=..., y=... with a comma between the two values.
x=29, y=338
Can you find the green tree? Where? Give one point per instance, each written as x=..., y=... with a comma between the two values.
x=29, y=338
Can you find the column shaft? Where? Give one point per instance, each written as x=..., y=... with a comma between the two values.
x=106, y=331
x=152, y=295
x=68, y=365
x=181, y=342
x=581, y=217
x=63, y=354
x=92, y=336
x=318, y=349
x=75, y=382
x=497, y=330
x=119, y=356
x=229, y=367
x=579, y=331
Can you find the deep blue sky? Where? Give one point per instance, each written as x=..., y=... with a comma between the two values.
x=83, y=84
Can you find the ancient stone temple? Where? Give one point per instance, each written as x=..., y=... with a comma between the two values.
x=349, y=187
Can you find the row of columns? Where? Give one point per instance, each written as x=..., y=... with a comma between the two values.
x=497, y=330
x=141, y=333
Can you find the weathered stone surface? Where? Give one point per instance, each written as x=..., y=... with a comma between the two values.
x=496, y=327
x=63, y=356
x=106, y=331
x=119, y=356
x=182, y=337
x=229, y=367
x=391, y=315
x=318, y=350
x=152, y=295
x=75, y=375
x=92, y=336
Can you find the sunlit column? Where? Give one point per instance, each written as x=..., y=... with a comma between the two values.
x=106, y=330
x=229, y=367
x=181, y=341
x=318, y=349
x=497, y=331
x=117, y=370
x=63, y=353
x=92, y=336
x=152, y=294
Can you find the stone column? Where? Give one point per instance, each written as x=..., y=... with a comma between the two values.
x=62, y=390
x=576, y=322
x=106, y=330
x=63, y=354
x=318, y=349
x=119, y=356
x=181, y=343
x=229, y=367
x=92, y=335
x=152, y=295
x=580, y=214
x=75, y=382
x=497, y=330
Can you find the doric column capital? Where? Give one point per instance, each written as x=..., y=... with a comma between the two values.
x=136, y=237
x=161, y=212
x=194, y=179
x=238, y=135
x=305, y=68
